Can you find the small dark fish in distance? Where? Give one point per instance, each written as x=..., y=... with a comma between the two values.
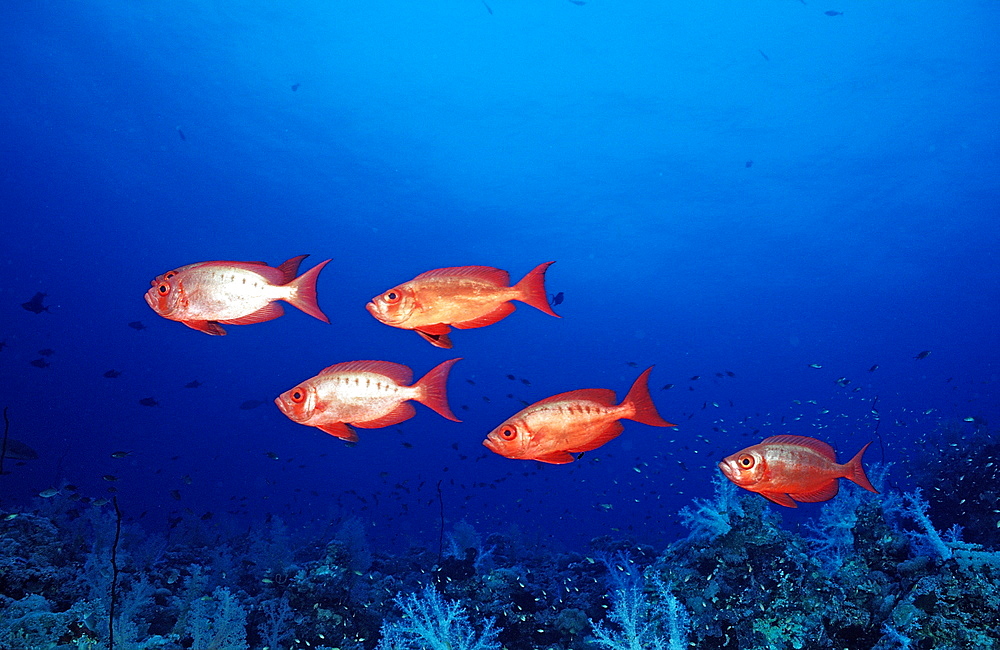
x=873, y=368
x=271, y=455
x=47, y=352
x=110, y=478
x=250, y=404
x=632, y=364
x=843, y=382
x=120, y=454
x=137, y=325
x=525, y=382
x=3, y=344
x=175, y=494
x=181, y=133
x=511, y=377
x=35, y=305
x=17, y=450
x=922, y=355
x=111, y=374
x=487, y=7
x=40, y=363
x=834, y=13
x=558, y=299
x=192, y=384
x=749, y=164
x=149, y=401
x=730, y=373
x=766, y=57
x=696, y=378
x=667, y=386
x=295, y=87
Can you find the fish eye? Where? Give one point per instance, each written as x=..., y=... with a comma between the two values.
x=298, y=395
x=392, y=296
x=163, y=288
x=508, y=433
x=745, y=461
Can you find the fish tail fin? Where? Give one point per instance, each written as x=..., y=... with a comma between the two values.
x=642, y=402
x=433, y=389
x=531, y=289
x=855, y=471
x=304, y=292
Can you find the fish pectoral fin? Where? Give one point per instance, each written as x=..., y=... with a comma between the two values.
x=404, y=411
x=340, y=430
x=270, y=311
x=206, y=326
x=437, y=340
x=556, y=458
x=498, y=314
x=824, y=493
x=780, y=498
x=610, y=432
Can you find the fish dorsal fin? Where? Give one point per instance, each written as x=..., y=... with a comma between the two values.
x=290, y=268
x=824, y=493
x=603, y=396
x=395, y=371
x=818, y=446
x=269, y=273
x=498, y=277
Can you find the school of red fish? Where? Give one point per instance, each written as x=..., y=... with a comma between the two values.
x=370, y=394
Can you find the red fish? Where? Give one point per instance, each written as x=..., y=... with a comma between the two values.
x=555, y=428
x=365, y=394
x=463, y=297
x=786, y=469
x=205, y=294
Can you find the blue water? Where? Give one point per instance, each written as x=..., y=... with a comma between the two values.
x=747, y=187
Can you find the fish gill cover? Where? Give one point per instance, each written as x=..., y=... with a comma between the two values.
x=787, y=209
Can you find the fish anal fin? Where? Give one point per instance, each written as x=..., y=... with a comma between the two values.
x=270, y=311
x=780, y=498
x=494, y=276
x=610, y=432
x=437, y=340
x=824, y=493
x=818, y=446
x=206, y=326
x=555, y=458
x=404, y=411
x=340, y=430
x=498, y=314
x=397, y=372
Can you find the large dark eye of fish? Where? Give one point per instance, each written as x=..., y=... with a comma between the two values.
x=164, y=288
x=298, y=395
x=745, y=461
x=391, y=296
x=508, y=433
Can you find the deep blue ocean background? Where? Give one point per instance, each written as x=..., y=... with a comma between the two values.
x=750, y=188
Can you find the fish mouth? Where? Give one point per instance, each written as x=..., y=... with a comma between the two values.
x=150, y=298
x=726, y=469
x=491, y=444
x=374, y=310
